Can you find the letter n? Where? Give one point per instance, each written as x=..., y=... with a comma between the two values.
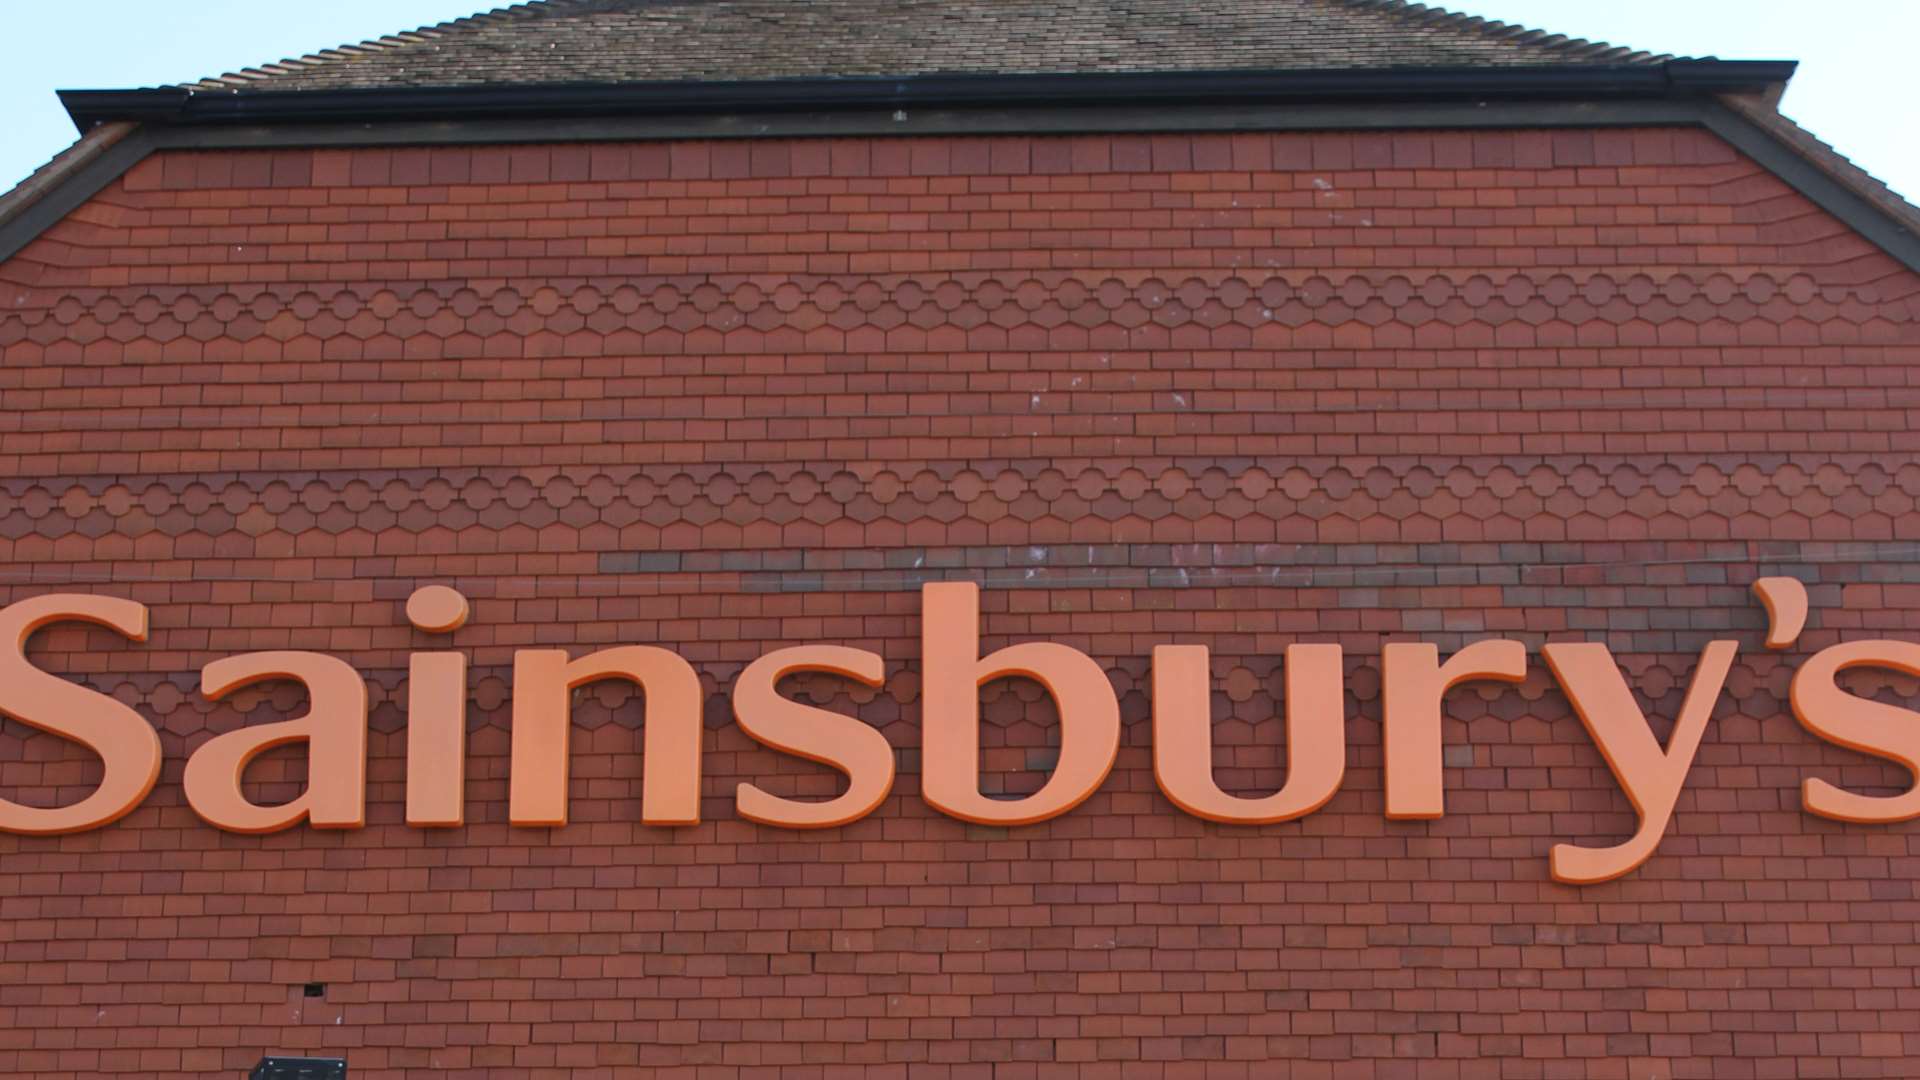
x=543, y=685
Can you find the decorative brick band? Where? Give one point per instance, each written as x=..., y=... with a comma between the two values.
x=761, y=506
x=1054, y=308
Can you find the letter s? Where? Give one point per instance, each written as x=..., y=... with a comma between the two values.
x=126, y=743
x=816, y=734
x=1870, y=727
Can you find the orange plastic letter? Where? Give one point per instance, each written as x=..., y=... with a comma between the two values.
x=543, y=681
x=437, y=714
x=953, y=672
x=126, y=743
x=335, y=730
x=1183, y=738
x=436, y=739
x=1413, y=682
x=1870, y=727
x=1651, y=777
x=1785, y=599
x=830, y=738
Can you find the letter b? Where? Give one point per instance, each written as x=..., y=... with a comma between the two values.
x=953, y=672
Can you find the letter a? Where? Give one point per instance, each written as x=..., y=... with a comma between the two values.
x=953, y=672
x=335, y=731
x=1651, y=777
x=126, y=743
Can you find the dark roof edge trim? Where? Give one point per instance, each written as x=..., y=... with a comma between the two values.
x=51, y=178
x=1824, y=183
x=1673, y=78
x=33, y=208
x=1882, y=217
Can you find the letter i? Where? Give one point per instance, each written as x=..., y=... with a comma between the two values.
x=437, y=714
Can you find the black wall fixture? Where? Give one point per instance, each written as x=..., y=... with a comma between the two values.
x=292, y=1068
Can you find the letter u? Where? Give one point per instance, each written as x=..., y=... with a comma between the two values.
x=1183, y=736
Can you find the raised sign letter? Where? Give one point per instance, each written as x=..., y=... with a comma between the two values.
x=1871, y=727
x=126, y=743
x=543, y=682
x=1650, y=776
x=1413, y=680
x=335, y=730
x=437, y=714
x=1183, y=736
x=830, y=738
x=953, y=672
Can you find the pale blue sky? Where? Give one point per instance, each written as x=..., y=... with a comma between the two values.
x=1852, y=88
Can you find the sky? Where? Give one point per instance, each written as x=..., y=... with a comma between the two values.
x=1850, y=89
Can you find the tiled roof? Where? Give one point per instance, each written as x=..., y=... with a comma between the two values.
x=602, y=41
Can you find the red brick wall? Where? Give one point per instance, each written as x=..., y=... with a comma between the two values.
x=1242, y=391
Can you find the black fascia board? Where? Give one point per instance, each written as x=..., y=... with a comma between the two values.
x=182, y=106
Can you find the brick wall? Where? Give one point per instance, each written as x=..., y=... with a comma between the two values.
x=1241, y=391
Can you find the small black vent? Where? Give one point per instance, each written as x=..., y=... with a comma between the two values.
x=291, y=1068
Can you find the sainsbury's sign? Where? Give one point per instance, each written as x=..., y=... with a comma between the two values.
x=1414, y=681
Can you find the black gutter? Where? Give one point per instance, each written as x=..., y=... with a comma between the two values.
x=1671, y=79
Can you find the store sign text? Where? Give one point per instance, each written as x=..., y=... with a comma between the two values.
x=1414, y=682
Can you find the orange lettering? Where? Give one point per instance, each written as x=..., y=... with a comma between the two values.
x=1785, y=599
x=1413, y=682
x=1871, y=727
x=335, y=730
x=543, y=682
x=1183, y=738
x=437, y=714
x=954, y=671
x=436, y=739
x=830, y=738
x=1650, y=776
x=128, y=746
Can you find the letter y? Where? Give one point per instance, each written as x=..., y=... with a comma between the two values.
x=1651, y=776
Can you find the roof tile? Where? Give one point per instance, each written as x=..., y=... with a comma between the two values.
x=601, y=41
